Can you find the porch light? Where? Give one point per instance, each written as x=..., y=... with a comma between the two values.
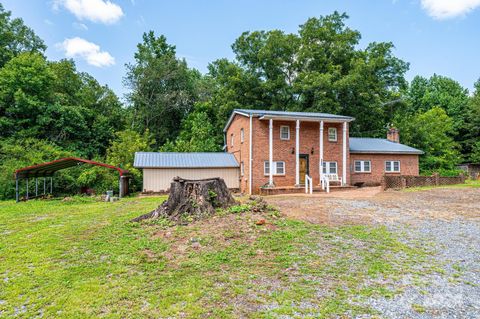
x=311, y=152
x=293, y=150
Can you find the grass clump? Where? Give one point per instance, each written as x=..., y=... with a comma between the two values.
x=84, y=259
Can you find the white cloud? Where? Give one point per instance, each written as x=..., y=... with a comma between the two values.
x=90, y=52
x=445, y=9
x=103, y=11
x=80, y=26
x=48, y=22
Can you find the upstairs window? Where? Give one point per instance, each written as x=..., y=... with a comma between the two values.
x=242, y=169
x=363, y=166
x=332, y=134
x=284, y=132
x=242, y=135
x=392, y=166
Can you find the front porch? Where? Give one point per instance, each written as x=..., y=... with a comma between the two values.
x=266, y=191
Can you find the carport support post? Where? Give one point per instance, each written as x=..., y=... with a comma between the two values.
x=44, y=185
x=36, y=186
x=17, y=194
x=51, y=185
x=27, y=188
x=120, y=187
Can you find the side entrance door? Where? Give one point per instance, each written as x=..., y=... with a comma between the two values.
x=304, y=168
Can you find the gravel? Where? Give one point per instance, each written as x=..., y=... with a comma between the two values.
x=453, y=292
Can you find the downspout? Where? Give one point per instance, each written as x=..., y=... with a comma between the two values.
x=250, y=155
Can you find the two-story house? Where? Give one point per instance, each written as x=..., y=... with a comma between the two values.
x=279, y=150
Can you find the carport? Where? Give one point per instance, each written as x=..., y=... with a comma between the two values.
x=48, y=169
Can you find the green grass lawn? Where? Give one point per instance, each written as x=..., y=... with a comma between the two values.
x=468, y=184
x=84, y=259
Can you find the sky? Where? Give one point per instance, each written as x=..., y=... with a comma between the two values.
x=434, y=36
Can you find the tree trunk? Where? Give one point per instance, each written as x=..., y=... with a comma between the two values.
x=191, y=200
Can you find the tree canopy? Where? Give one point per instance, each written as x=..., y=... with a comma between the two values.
x=52, y=109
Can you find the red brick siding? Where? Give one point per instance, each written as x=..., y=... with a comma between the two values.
x=408, y=166
x=240, y=150
x=282, y=150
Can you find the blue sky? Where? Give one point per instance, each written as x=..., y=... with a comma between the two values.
x=434, y=36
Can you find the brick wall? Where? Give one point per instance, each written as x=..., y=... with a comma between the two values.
x=283, y=149
x=408, y=166
x=240, y=150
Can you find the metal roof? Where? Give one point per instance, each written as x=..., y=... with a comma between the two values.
x=184, y=160
x=49, y=168
x=288, y=115
x=294, y=114
x=380, y=145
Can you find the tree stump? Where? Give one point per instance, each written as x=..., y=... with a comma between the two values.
x=192, y=200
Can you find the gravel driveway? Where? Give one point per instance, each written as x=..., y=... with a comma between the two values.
x=446, y=219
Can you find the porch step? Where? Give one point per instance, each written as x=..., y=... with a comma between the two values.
x=299, y=190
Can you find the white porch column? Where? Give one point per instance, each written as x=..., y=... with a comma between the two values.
x=320, y=163
x=297, y=153
x=270, y=152
x=344, y=166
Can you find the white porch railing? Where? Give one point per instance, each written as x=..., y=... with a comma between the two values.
x=325, y=181
x=308, y=185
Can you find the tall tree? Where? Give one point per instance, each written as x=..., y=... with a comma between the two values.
x=162, y=88
x=431, y=131
x=15, y=37
x=472, y=127
x=439, y=91
x=319, y=69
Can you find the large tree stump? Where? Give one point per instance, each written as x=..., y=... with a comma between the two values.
x=192, y=200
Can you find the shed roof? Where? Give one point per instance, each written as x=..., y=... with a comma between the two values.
x=380, y=146
x=184, y=160
x=312, y=116
x=49, y=168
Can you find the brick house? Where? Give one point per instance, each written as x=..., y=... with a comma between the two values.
x=279, y=150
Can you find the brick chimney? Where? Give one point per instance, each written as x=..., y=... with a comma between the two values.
x=393, y=135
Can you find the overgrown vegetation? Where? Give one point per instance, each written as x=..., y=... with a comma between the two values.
x=172, y=107
x=90, y=262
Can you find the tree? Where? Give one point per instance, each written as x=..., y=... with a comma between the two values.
x=197, y=135
x=25, y=90
x=439, y=91
x=472, y=128
x=162, y=88
x=431, y=131
x=14, y=155
x=319, y=69
x=15, y=38
x=122, y=151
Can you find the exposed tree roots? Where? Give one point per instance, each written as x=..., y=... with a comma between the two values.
x=192, y=200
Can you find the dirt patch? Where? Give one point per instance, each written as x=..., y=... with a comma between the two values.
x=372, y=206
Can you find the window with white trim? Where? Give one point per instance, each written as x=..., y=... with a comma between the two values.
x=363, y=166
x=392, y=166
x=242, y=168
x=231, y=140
x=332, y=134
x=329, y=168
x=278, y=168
x=242, y=135
x=285, y=132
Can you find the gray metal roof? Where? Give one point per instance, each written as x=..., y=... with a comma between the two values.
x=184, y=160
x=287, y=115
x=294, y=114
x=379, y=145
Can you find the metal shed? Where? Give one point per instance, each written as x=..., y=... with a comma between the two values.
x=160, y=168
x=48, y=169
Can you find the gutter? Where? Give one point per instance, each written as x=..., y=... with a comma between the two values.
x=250, y=155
